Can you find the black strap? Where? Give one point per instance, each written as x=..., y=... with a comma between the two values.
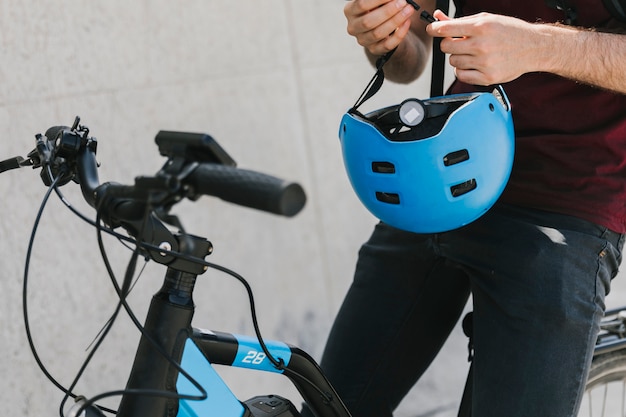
x=375, y=83
x=437, y=72
x=439, y=58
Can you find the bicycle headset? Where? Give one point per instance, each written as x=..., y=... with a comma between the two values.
x=429, y=166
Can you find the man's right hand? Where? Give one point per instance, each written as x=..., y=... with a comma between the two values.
x=378, y=25
x=381, y=26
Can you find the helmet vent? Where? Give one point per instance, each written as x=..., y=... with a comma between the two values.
x=456, y=157
x=389, y=198
x=383, y=167
x=463, y=188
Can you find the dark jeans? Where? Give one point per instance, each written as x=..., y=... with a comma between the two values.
x=538, y=282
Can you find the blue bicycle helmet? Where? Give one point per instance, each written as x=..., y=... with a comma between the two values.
x=430, y=166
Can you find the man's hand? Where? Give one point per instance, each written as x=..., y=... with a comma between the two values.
x=487, y=49
x=381, y=26
x=378, y=25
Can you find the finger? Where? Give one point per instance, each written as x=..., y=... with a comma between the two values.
x=432, y=29
x=471, y=76
x=382, y=20
x=463, y=62
x=373, y=29
x=391, y=41
x=452, y=28
x=458, y=46
x=356, y=10
x=441, y=16
x=360, y=7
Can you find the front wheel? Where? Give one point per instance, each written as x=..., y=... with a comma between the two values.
x=605, y=393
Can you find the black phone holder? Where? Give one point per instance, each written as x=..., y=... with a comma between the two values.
x=192, y=147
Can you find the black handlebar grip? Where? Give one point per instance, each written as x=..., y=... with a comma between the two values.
x=247, y=188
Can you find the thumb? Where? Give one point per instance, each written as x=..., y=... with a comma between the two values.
x=439, y=15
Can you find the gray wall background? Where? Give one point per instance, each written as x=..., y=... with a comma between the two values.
x=270, y=81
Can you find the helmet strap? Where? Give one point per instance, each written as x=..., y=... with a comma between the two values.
x=375, y=83
x=438, y=68
x=438, y=71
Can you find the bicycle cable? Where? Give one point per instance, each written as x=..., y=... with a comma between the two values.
x=103, y=333
x=68, y=392
x=25, y=314
x=29, y=336
x=277, y=363
x=122, y=294
x=123, y=239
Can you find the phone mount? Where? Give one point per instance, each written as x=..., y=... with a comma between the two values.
x=192, y=147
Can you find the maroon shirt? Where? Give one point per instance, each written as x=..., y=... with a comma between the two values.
x=570, y=154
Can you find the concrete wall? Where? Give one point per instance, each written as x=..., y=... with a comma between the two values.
x=269, y=80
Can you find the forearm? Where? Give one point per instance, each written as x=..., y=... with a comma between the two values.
x=487, y=49
x=590, y=57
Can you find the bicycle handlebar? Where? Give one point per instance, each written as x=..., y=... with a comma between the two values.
x=193, y=169
x=252, y=189
x=247, y=188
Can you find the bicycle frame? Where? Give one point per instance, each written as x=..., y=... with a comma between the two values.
x=168, y=323
x=207, y=347
x=169, y=346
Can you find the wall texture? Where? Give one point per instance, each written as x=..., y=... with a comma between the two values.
x=270, y=81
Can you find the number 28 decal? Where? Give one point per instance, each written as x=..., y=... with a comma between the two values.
x=254, y=357
x=250, y=354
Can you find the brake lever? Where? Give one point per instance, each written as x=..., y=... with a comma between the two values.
x=14, y=163
x=34, y=157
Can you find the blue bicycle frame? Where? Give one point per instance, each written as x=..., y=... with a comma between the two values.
x=220, y=400
x=168, y=324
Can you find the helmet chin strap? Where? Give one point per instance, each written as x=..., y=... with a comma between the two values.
x=379, y=77
x=375, y=83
